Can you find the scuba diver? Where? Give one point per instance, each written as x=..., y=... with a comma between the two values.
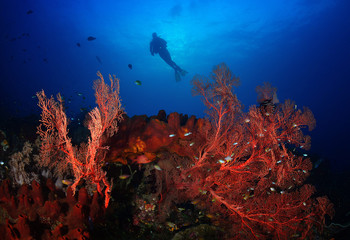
x=159, y=45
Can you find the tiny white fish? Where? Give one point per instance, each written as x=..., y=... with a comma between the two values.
x=294, y=125
x=235, y=143
x=295, y=106
x=191, y=144
x=305, y=155
x=279, y=161
x=221, y=161
x=228, y=158
x=282, y=192
x=247, y=120
x=157, y=167
x=2, y=163
x=187, y=134
x=272, y=189
x=172, y=135
x=178, y=167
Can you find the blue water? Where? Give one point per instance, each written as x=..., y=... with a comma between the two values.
x=301, y=46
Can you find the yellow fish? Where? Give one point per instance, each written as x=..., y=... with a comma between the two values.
x=67, y=182
x=124, y=176
x=157, y=167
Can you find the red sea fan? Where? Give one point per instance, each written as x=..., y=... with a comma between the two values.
x=242, y=165
x=85, y=161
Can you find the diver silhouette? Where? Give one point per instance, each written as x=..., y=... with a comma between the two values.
x=159, y=45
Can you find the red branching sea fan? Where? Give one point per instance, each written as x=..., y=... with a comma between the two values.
x=243, y=168
x=84, y=162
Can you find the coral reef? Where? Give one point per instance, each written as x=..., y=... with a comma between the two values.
x=40, y=211
x=232, y=175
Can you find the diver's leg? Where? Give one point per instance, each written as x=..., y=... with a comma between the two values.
x=165, y=55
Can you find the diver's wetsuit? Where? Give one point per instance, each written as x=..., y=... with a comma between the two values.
x=159, y=45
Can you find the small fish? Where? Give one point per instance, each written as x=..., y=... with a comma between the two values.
x=191, y=144
x=210, y=216
x=79, y=94
x=194, y=202
x=29, y=12
x=2, y=163
x=318, y=162
x=157, y=167
x=98, y=59
x=78, y=44
x=142, y=159
x=221, y=161
x=130, y=66
x=91, y=38
x=228, y=158
x=247, y=120
x=172, y=226
x=67, y=182
x=187, y=134
x=124, y=176
x=138, y=82
x=34, y=96
x=272, y=189
x=235, y=143
x=246, y=196
x=172, y=135
x=181, y=209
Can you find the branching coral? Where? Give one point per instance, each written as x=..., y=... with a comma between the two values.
x=243, y=168
x=85, y=161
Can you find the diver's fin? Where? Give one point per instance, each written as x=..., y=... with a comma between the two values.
x=177, y=76
x=183, y=72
